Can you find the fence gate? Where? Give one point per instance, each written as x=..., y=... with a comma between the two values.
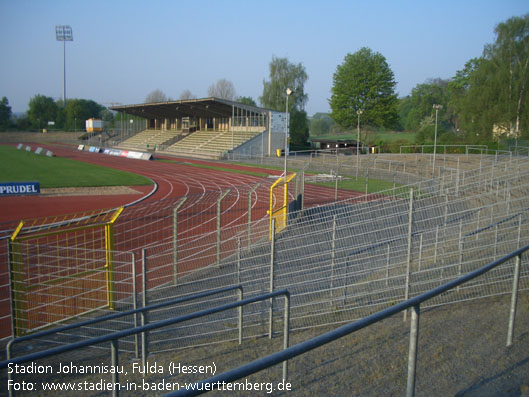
x=279, y=203
x=61, y=269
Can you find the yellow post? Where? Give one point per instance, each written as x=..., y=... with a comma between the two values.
x=18, y=308
x=109, y=265
x=279, y=214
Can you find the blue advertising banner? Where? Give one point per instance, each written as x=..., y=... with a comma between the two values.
x=17, y=188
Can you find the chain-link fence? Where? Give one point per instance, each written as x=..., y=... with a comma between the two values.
x=341, y=260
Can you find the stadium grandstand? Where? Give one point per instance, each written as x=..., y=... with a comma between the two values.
x=206, y=128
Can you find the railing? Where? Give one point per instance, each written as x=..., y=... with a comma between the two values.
x=413, y=303
x=114, y=337
x=430, y=148
x=42, y=334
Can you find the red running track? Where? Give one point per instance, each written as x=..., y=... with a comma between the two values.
x=173, y=179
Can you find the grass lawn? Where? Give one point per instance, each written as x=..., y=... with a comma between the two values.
x=213, y=167
x=54, y=172
x=359, y=185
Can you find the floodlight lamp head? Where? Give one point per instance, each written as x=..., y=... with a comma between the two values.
x=289, y=91
x=63, y=33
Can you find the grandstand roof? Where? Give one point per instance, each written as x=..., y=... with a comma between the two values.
x=206, y=107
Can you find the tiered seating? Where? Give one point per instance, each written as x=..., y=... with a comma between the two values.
x=149, y=138
x=211, y=144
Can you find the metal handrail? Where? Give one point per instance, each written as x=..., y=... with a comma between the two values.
x=114, y=337
x=117, y=315
x=413, y=303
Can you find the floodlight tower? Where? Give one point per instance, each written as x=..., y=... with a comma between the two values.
x=63, y=33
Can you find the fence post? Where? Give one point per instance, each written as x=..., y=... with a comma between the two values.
x=478, y=222
x=457, y=178
x=286, y=333
x=114, y=358
x=239, y=312
x=336, y=185
x=332, y=254
x=436, y=245
x=135, y=305
x=250, y=193
x=144, y=318
x=219, y=201
x=238, y=260
x=420, y=251
x=272, y=258
x=514, y=299
x=175, y=238
x=519, y=229
x=412, y=355
x=461, y=247
x=495, y=241
x=387, y=264
x=367, y=180
x=408, y=266
x=302, y=204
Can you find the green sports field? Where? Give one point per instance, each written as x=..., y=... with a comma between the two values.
x=57, y=172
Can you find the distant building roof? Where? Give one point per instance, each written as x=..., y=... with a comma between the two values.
x=206, y=107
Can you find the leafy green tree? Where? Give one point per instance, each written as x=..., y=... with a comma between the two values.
x=299, y=128
x=77, y=111
x=404, y=108
x=494, y=88
x=5, y=114
x=283, y=75
x=457, y=90
x=509, y=57
x=421, y=102
x=41, y=109
x=322, y=124
x=247, y=100
x=364, y=81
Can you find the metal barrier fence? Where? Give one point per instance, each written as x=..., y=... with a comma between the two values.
x=115, y=337
x=414, y=304
x=341, y=261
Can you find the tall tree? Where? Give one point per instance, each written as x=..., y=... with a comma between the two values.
x=422, y=99
x=495, y=87
x=77, y=111
x=223, y=89
x=5, y=114
x=509, y=56
x=42, y=109
x=156, y=96
x=283, y=75
x=364, y=81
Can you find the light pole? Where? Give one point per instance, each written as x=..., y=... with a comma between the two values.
x=63, y=33
x=289, y=92
x=436, y=107
x=358, y=112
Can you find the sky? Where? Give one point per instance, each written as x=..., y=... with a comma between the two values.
x=124, y=49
